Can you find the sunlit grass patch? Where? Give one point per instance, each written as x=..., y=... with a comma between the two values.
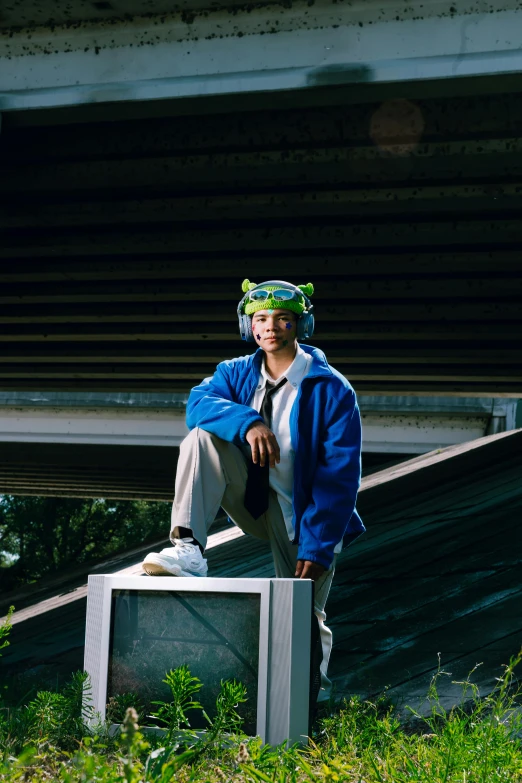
x=359, y=741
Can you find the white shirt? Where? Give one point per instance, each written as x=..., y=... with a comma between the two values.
x=282, y=475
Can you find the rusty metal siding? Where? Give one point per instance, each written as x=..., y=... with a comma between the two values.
x=124, y=243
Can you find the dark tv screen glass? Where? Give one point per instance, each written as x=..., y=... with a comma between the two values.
x=215, y=634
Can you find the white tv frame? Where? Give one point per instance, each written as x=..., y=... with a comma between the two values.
x=284, y=643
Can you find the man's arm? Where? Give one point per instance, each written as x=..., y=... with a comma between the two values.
x=212, y=406
x=334, y=485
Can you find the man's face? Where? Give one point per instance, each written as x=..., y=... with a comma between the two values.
x=274, y=330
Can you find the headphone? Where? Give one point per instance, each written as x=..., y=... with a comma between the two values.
x=305, y=321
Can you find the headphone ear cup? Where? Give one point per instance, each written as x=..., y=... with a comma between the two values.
x=311, y=325
x=245, y=328
x=305, y=326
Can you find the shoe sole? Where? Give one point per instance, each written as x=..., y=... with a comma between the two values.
x=154, y=565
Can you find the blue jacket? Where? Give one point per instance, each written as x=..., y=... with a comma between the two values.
x=326, y=429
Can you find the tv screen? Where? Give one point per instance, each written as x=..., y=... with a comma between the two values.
x=215, y=634
x=255, y=631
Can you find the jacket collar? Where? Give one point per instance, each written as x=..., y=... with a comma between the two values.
x=319, y=364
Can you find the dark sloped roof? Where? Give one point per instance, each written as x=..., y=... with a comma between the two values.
x=438, y=572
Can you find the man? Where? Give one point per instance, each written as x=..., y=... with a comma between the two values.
x=275, y=441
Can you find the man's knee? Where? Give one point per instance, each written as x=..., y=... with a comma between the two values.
x=206, y=443
x=198, y=435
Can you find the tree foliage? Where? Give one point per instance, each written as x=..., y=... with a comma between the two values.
x=40, y=535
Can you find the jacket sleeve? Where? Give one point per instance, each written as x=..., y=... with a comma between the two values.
x=335, y=483
x=211, y=405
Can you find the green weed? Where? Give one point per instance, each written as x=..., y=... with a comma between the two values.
x=183, y=687
x=117, y=707
x=476, y=741
x=5, y=629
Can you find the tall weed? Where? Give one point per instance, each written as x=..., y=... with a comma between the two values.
x=55, y=719
x=183, y=687
x=476, y=741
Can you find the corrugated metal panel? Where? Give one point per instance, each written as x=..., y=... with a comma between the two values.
x=124, y=243
x=125, y=472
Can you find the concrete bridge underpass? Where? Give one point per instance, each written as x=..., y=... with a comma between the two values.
x=126, y=445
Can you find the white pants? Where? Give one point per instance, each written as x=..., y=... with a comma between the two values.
x=211, y=473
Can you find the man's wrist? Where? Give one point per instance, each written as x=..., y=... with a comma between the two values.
x=248, y=424
x=314, y=557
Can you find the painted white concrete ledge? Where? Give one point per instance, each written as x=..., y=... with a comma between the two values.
x=404, y=425
x=137, y=427
x=273, y=48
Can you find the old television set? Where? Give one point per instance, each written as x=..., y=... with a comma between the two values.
x=257, y=631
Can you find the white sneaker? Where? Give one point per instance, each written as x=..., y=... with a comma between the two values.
x=182, y=559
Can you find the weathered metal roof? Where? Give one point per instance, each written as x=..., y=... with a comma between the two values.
x=124, y=243
x=438, y=572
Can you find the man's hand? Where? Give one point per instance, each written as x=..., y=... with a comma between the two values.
x=307, y=569
x=263, y=444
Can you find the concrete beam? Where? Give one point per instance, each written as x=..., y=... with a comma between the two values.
x=417, y=425
x=86, y=399
x=418, y=434
x=230, y=51
x=404, y=425
x=139, y=427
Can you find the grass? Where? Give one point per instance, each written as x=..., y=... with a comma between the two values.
x=477, y=741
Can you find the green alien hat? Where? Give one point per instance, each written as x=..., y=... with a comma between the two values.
x=296, y=305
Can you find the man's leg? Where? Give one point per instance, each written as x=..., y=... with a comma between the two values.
x=285, y=559
x=211, y=473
